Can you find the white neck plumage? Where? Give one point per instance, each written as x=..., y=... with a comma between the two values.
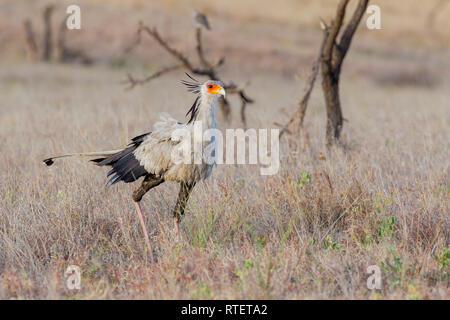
x=207, y=111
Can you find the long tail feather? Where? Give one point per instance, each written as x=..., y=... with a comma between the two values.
x=50, y=161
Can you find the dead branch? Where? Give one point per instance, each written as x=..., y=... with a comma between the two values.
x=133, y=81
x=199, y=48
x=64, y=53
x=244, y=100
x=347, y=35
x=30, y=39
x=136, y=42
x=295, y=122
x=175, y=53
x=47, y=40
x=329, y=61
x=207, y=69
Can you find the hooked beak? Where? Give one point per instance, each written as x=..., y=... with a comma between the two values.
x=222, y=92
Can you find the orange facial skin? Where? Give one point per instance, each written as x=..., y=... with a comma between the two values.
x=213, y=88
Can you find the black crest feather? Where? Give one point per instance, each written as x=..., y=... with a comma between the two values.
x=194, y=87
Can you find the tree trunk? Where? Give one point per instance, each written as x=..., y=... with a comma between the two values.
x=331, y=62
x=47, y=41
x=330, y=85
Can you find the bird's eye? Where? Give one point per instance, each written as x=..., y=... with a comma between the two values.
x=210, y=86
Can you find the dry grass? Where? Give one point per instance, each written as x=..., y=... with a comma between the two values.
x=308, y=232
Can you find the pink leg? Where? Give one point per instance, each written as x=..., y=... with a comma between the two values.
x=175, y=225
x=144, y=229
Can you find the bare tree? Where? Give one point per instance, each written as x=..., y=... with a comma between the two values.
x=64, y=54
x=206, y=69
x=329, y=61
x=333, y=55
x=295, y=123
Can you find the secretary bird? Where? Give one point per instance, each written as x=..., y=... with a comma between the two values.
x=150, y=155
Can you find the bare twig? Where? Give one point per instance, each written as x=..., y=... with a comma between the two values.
x=175, y=53
x=207, y=69
x=133, y=82
x=347, y=35
x=295, y=122
x=244, y=101
x=136, y=42
x=199, y=48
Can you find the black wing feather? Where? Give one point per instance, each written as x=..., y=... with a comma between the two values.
x=125, y=166
x=193, y=110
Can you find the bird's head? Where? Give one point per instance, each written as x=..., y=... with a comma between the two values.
x=209, y=89
x=207, y=92
x=212, y=88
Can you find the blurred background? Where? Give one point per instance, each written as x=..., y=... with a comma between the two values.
x=277, y=36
